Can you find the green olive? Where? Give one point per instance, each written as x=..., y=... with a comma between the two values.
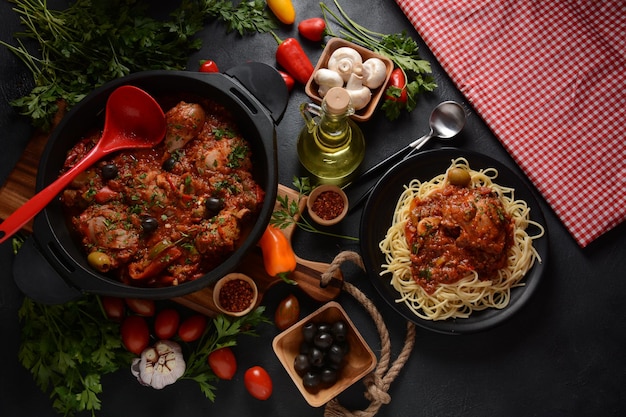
x=99, y=261
x=459, y=177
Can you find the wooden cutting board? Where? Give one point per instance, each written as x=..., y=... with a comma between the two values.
x=20, y=186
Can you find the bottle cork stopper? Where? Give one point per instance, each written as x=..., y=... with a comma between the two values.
x=337, y=100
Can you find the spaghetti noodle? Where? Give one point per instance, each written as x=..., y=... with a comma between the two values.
x=473, y=291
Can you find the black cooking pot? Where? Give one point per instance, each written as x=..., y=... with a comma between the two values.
x=52, y=268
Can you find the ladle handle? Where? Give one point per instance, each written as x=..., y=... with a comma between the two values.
x=28, y=210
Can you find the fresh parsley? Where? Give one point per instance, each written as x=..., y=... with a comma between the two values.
x=67, y=348
x=399, y=47
x=92, y=42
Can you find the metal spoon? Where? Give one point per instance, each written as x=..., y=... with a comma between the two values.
x=133, y=119
x=446, y=121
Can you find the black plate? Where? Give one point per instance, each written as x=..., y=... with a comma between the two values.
x=378, y=214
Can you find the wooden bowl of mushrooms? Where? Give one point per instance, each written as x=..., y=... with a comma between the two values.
x=360, y=71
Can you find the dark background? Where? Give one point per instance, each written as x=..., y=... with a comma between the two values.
x=561, y=355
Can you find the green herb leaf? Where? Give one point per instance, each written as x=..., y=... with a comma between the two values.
x=93, y=42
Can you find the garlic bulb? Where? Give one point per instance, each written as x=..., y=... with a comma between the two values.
x=159, y=365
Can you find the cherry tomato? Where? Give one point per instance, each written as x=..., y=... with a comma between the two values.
x=208, y=66
x=397, y=80
x=135, y=334
x=312, y=29
x=141, y=306
x=113, y=307
x=258, y=383
x=287, y=312
x=192, y=328
x=166, y=323
x=223, y=363
x=288, y=79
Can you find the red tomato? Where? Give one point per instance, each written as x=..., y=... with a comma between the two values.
x=258, y=383
x=397, y=80
x=312, y=29
x=166, y=323
x=141, y=306
x=288, y=79
x=113, y=307
x=223, y=363
x=135, y=334
x=287, y=312
x=192, y=328
x=208, y=66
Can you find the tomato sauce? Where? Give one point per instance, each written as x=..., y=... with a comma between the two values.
x=454, y=231
x=167, y=215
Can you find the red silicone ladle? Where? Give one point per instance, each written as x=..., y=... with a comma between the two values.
x=133, y=119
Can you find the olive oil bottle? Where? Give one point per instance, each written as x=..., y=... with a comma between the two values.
x=331, y=146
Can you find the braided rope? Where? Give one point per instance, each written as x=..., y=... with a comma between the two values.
x=376, y=383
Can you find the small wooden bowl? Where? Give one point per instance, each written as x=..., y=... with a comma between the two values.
x=219, y=285
x=316, y=193
x=333, y=44
x=359, y=361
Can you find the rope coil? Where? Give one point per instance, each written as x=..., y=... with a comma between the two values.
x=377, y=383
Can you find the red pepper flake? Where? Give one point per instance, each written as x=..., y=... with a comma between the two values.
x=236, y=295
x=328, y=205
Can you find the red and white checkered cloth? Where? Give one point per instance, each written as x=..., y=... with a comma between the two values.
x=549, y=78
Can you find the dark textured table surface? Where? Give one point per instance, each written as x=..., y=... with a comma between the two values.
x=561, y=355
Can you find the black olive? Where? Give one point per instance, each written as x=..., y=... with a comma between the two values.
x=316, y=357
x=339, y=331
x=169, y=163
x=149, y=224
x=301, y=364
x=311, y=380
x=305, y=347
x=328, y=376
x=213, y=206
x=109, y=171
x=308, y=332
x=324, y=327
x=323, y=340
x=336, y=354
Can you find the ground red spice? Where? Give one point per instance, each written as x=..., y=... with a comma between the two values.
x=328, y=205
x=236, y=295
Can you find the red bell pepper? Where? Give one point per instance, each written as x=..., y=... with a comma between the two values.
x=293, y=59
x=288, y=79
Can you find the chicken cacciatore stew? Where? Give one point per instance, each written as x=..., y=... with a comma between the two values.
x=164, y=216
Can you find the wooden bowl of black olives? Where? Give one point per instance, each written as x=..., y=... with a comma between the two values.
x=324, y=354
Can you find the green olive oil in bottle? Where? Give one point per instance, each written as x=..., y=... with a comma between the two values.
x=331, y=146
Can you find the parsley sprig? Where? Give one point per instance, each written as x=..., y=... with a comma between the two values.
x=289, y=212
x=67, y=348
x=92, y=42
x=399, y=47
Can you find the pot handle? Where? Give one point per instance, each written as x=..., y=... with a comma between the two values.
x=265, y=84
x=38, y=280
